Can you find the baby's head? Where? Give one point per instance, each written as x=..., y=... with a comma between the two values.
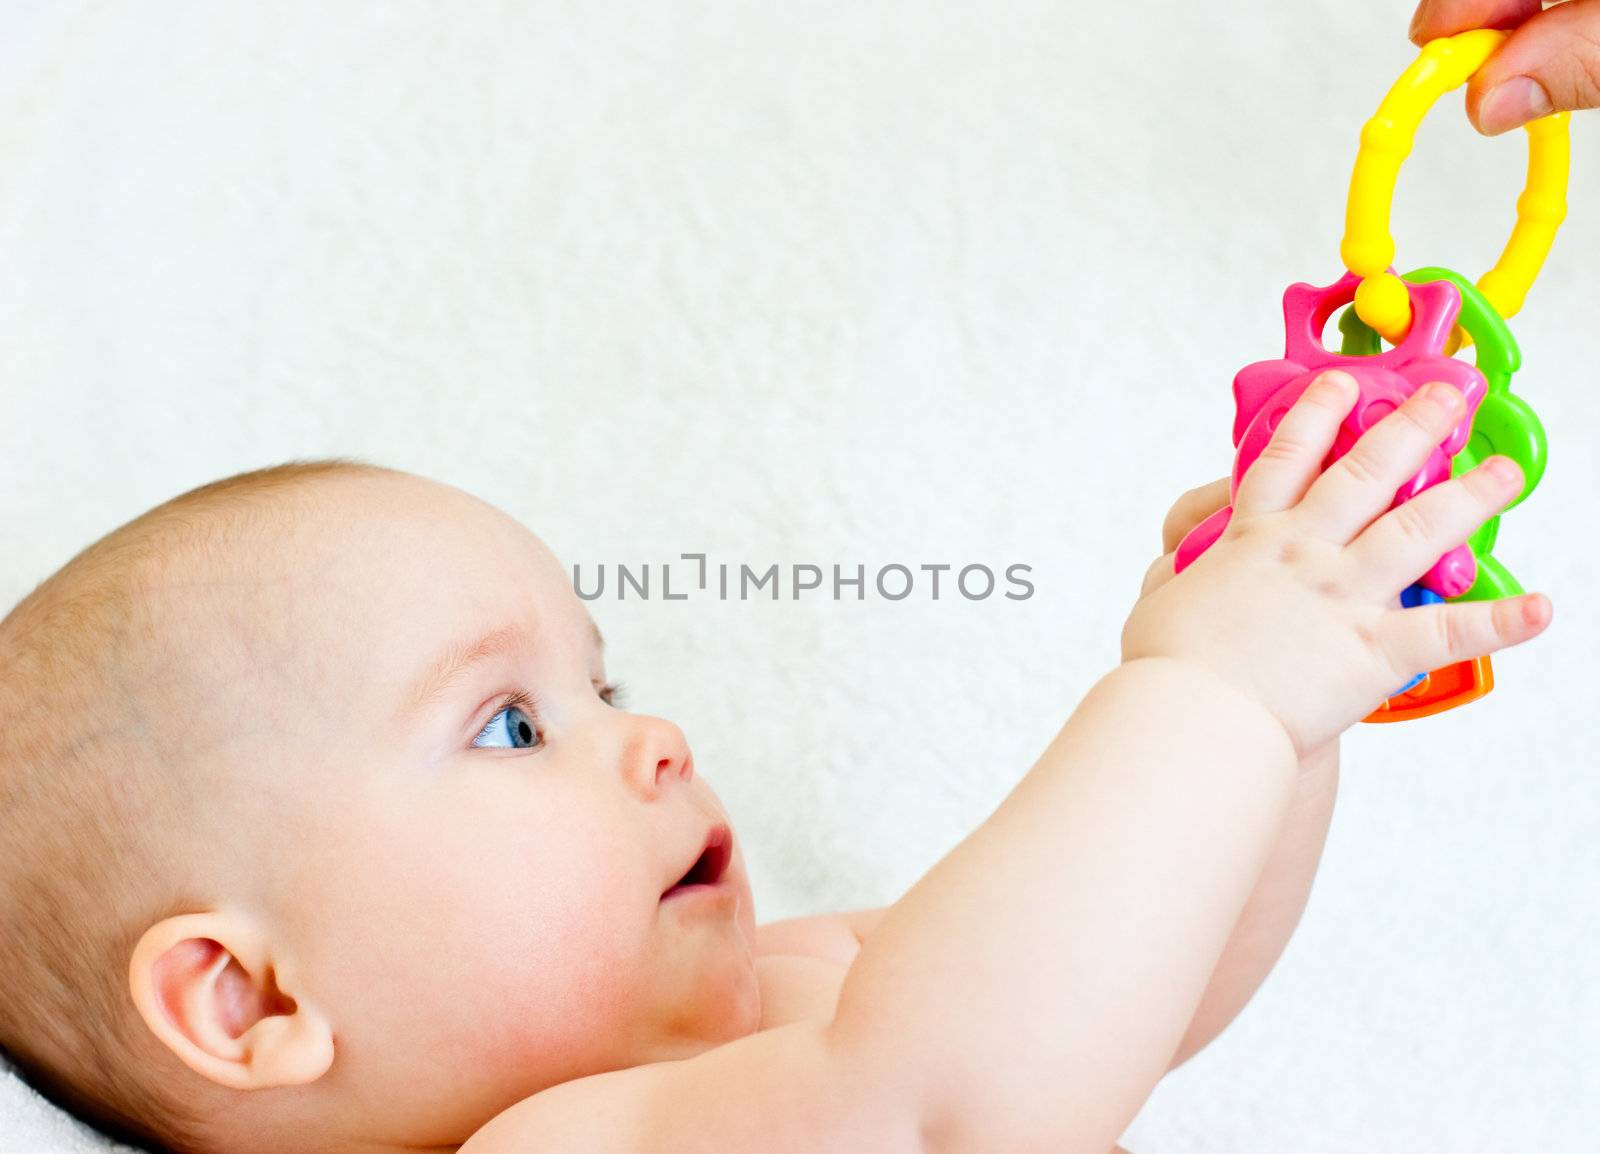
x=318, y=829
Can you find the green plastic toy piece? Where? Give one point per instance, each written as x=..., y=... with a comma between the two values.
x=1504, y=423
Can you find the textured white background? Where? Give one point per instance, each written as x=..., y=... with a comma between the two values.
x=838, y=282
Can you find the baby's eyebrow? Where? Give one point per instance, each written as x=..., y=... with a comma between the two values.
x=458, y=660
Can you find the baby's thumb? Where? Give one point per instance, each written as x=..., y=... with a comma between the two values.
x=1550, y=64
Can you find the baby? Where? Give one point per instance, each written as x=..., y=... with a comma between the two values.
x=321, y=829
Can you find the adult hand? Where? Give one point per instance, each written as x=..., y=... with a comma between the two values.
x=1550, y=63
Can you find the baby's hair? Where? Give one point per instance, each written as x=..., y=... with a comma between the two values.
x=86, y=808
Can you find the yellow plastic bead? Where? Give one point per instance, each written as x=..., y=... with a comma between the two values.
x=1383, y=302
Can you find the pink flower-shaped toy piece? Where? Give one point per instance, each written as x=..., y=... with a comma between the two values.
x=1264, y=391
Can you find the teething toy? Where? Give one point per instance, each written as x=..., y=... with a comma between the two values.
x=1426, y=316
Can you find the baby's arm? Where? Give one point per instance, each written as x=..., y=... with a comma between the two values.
x=1258, y=939
x=1274, y=908
x=1280, y=896
x=1030, y=991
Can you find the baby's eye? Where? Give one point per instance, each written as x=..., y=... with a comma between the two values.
x=511, y=728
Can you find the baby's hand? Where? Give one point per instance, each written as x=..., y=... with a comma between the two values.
x=1297, y=603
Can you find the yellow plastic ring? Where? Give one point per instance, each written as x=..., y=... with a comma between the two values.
x=1368, y=247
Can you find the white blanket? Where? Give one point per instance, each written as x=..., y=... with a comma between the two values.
x=847, y=282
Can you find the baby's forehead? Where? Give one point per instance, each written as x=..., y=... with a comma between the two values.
x=371, y=531
x=363, y=583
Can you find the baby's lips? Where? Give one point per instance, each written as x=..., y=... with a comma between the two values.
x=710, y=865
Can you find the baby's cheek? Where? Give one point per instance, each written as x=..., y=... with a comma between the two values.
x=479, y=921
x=485, y=963
x=556, y=993
x=540, y=931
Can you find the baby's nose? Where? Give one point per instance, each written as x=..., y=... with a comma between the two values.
x=656, y=751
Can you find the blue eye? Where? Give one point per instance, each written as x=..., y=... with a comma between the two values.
x=511, y=728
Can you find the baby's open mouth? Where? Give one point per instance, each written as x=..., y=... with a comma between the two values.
x=707, y=869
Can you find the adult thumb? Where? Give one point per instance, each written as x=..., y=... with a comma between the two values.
x=1551, y=63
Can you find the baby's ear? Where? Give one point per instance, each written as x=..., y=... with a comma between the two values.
x=207, y=986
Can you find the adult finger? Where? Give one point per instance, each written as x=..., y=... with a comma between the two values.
x=1192, y=508
x=1436, y=18
x=1550, y=63
x=1361, y=485
x=1291, y=460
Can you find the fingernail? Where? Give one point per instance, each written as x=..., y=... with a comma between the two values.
x=1511, y=104
x=1503, y=469
x=1335, y=383
x=1443, y=395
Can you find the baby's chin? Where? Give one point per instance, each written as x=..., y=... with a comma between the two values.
x=715, y=997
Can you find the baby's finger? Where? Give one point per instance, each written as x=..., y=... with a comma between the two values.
x=1405, y=542
x=1290, y=461
x=1360, y=486
x=1192, y=508
x=1159, y=573
x=1432, y=636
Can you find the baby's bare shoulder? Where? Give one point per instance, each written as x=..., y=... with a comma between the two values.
x=837, y=937
x=788, y=1090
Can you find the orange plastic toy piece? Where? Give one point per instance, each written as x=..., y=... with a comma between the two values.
x=1438, y=691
